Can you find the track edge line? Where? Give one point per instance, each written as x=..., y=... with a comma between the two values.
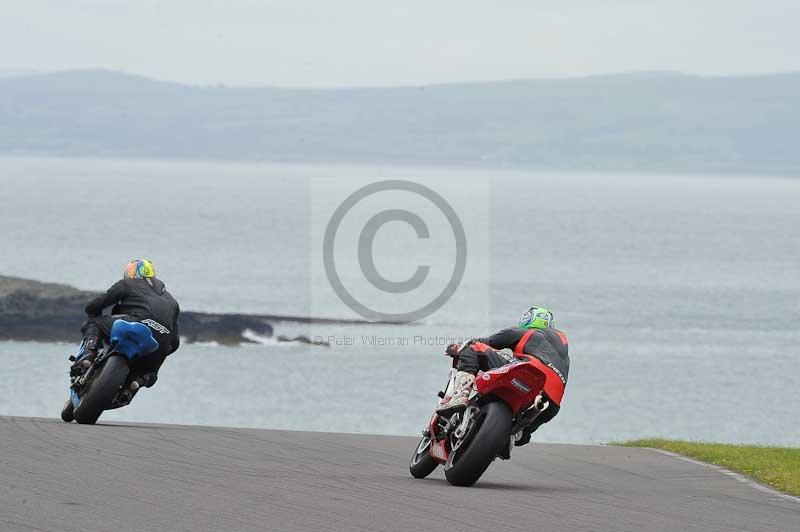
x=733, y=474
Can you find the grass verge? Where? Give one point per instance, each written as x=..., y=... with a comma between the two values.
x=778, y=467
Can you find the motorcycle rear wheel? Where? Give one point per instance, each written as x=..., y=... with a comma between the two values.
x=474, y=456
x=422, y=463
x=102, y=390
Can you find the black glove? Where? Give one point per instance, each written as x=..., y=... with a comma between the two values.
x=452, y=350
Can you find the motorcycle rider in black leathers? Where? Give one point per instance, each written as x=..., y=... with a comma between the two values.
x=536, y=337
x=138, y=297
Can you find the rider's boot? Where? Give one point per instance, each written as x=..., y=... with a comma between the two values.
x=127, y=394
x=523, y=437
x=91, y=348
x=460, y=399
x=148, y=379
x=143, y=381
x=92, y=345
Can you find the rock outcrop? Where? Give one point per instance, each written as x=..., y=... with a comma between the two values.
x=49, y=312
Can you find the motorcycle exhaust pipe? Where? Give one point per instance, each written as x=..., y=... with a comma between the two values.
x=539, y=404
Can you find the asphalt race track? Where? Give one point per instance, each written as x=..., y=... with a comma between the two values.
x=56, y=477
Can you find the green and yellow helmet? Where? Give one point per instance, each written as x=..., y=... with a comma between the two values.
x=139, y=269
x=536, y=318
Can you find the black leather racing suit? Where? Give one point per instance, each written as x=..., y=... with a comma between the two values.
x=548, y=345
x=138, y=300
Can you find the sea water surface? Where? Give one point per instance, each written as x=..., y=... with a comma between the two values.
x=680, y=294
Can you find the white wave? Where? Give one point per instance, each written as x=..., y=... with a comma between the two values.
x=249, y=334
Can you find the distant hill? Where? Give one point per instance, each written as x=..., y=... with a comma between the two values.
x=649, y=122
x=15, y=73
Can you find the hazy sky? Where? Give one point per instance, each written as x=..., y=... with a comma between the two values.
x=372, y=42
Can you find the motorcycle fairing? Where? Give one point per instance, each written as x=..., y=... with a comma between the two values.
x=132, y=339
x=438, y=448
x=516, y=384
x=73, y=396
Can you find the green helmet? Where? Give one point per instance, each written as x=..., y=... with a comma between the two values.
x=536, y=318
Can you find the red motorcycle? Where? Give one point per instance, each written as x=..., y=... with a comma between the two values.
x=503, y=402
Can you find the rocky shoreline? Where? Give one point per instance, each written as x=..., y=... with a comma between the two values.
x=49, y=312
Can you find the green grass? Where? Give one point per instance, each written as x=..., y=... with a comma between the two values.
x=778, y=467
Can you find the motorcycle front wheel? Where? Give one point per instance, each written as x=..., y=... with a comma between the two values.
x=102, y=390
x=473, y=457
x=422, y=464
x=68, y=412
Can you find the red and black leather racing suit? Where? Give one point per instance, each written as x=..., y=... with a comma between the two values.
x=549, y=348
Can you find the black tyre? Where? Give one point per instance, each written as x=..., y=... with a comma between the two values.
x=67, y=413
x=488, y=439
x=422, y=464
x=102, y=390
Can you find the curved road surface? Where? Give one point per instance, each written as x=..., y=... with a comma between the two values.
x=63, y=478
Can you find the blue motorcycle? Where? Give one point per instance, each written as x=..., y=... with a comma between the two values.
x=102, y=386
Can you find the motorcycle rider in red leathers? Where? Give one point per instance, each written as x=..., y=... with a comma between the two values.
x=535, y=336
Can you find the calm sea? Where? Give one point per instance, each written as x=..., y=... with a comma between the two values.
x=680, y=294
